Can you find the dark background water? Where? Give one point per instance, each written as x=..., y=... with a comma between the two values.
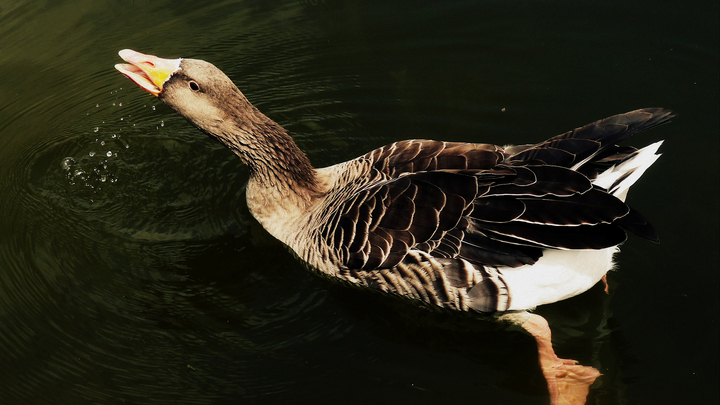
x=132, y=272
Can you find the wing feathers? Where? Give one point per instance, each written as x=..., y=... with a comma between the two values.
x=568, y=237
x=549, y=180
x=498, y=209
x=488, y=205
x=592, y=207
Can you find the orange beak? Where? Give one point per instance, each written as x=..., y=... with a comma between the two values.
x=148, y=71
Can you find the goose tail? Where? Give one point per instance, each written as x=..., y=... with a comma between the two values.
x=618, y=178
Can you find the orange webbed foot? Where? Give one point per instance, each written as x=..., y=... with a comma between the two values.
x=568, y=382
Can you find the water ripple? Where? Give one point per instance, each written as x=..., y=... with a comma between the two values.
x=132, y=265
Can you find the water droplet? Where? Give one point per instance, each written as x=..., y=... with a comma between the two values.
x=162, y=123
x=91, y=154
x=127, y=146
x=153, y=107
x=122, y=119
x=109, y=153
x=96, y=129
x=103, y=178
x=114, y=136
x=102, y=143
x=120, y=104
x=67, y=163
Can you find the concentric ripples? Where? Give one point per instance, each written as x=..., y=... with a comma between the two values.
x=132, y=265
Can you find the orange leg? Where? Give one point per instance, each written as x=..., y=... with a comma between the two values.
x=604, y=280
x=568, y=382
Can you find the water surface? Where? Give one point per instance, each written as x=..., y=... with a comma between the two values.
x=132, y=272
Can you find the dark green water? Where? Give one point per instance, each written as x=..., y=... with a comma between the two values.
x=131, y=271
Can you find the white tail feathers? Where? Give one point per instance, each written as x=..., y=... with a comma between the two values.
x=618, y=179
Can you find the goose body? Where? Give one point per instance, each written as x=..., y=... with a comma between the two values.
x=470, y=227
x=351, y=232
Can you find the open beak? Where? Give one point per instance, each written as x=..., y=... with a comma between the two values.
x=148, y=71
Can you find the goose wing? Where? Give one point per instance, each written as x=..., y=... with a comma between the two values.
x=486, y=204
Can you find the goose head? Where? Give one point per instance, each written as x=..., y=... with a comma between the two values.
x=195, y=89
x=206, y=97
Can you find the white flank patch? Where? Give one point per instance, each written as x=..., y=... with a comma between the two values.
x=558, y=275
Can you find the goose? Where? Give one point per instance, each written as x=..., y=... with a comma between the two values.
x=464, y=226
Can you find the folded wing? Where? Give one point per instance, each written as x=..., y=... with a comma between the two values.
x=489, y=205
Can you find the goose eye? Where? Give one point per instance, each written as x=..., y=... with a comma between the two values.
x=194, y=86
